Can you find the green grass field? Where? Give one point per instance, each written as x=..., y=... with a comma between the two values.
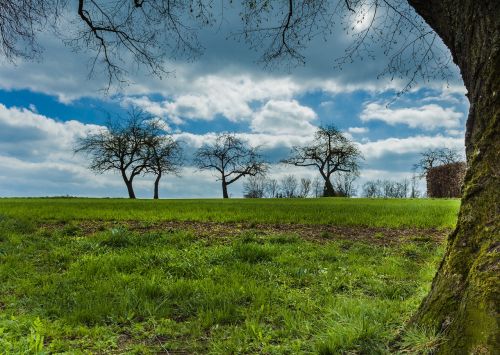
x=123, y=287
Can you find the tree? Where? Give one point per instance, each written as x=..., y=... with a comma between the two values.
x=305, y=187
x=161, y=154
x=330, y=152
x=318, y=187
x=119, y=147
x=344, y=183
x=465, y=288
x=232, y=158
x=435, y=157
x=372, y=189
x=272, y=188
x=288, y=186
x=254, y=187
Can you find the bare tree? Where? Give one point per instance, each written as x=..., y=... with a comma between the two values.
x=288, y=186
x=232, y=158
x=344, y=183
x=305, y=187
x=414, y=191
x=119, y=147
x=435, y=157
x=272, y=188
x=254, y=187
x=161, y=153
x=372, y=189
x=330, y=152
x=407, y=32
x=318, y=187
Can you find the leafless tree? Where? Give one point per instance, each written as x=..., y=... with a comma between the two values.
x=119, y=147
x=232, y=158
x=407, y=32
x=318, y=187
x=414, y=191
x=162, y=154
x=254, y=187
x=272, y=188
x=435, y=157
x=288, y=186
x=330, y=152
x=305, y=187
x=344, y=183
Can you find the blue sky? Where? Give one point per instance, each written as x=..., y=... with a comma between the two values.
x=45, y=105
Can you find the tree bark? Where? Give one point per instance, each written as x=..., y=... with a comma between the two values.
x=224, y=189
x=464, y=302
x=130, y=189
x=128, y=183
x=328, y=190
x=157, y=185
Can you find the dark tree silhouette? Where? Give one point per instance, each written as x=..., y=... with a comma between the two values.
x=463, y=301
x=120, y=147
x=162, y=154
x=232, y=158
x=330, y=152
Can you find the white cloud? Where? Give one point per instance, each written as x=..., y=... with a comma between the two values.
x=284, y=117
x=416, y=144
x=427, y=117
x=358, y=130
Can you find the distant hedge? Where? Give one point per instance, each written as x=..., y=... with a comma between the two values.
x=446, y=180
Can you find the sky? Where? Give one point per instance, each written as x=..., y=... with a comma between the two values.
x=45, y=105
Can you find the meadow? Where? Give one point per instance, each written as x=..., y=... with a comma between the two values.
x=327, y=276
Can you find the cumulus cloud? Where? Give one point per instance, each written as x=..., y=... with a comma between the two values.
x=427, y=117
x=416, y=144
x=358, y=130
x=284, y=117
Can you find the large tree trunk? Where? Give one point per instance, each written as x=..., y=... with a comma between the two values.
x=464, y=301
x=224, y=189
x=157, y=185
x=128, y=183
x=328, y=190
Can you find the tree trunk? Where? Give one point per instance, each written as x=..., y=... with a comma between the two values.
x=224, y=189
x=328, y=190
x=128, y=183
x=157, y=185
x=464, y=300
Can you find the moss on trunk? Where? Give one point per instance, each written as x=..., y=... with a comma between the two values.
x=463, y=304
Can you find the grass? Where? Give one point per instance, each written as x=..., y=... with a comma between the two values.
x=420, y=213
x=65, y=290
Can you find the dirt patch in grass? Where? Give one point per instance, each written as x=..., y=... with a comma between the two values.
x=318, y=233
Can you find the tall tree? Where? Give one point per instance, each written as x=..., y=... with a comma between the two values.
x=330, y=152
x=464, y=292
x=119, y=147
x=232, y=158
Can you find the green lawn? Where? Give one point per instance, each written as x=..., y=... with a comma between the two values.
x=422, y=213
x=66, y=289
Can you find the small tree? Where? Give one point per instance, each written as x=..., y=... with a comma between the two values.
x=372, y=189
x=288, y=186
x=232, y=158
x=436, y=157
x=162, y=154
x=119, y=147
x=330, y=152
x=318, y=187
x=305, y=187
x=272, y=188
x=254, y=187
x=344, y=183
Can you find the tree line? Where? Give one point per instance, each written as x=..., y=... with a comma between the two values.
x=140, y=145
